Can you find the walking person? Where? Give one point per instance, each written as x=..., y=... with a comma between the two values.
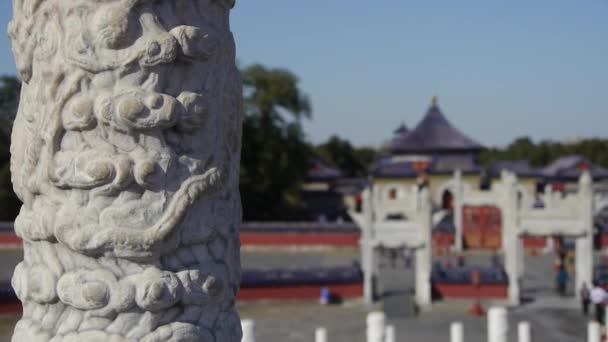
x=406, y=254
x=562, y=281
x=598, y=298
x=585, y=299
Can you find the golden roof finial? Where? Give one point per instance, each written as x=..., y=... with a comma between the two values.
x=434, y=101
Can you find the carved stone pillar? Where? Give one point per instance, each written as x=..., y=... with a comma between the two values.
x=125, y=153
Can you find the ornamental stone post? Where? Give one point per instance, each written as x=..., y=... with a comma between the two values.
x=125, y=153
x=584, y=243
x=512, y=244
x=424, y=253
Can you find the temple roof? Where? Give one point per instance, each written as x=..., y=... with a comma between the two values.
x=522, y=168
x=438, y=164
x=402, y=130
x=571, y=168
x=322, y=171
x=435, y=133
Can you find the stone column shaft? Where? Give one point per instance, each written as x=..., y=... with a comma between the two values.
x=368, y=254
x=458, y=207
x=125, y=153
x=512, y=245
x=424, y=254
x=584, y=244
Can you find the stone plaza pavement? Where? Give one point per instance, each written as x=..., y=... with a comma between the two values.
x=553, y=319
x=296, y=322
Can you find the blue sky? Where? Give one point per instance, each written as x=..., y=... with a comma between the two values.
x=501, y=68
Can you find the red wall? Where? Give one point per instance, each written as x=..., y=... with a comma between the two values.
x=300, y=292
x=300, y=239
x=9, y=239
x=469, y=291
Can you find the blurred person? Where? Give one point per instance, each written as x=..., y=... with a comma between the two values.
x=461, y=261
x=570, y=259
x=598, y=298
x=562, y=281
x=585, y=299
x=559, y=263
x=406, y=253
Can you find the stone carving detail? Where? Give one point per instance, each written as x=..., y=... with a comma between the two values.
x=125, y=153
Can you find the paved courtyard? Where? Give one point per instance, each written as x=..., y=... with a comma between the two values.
x=553, y=319
x=296, y=321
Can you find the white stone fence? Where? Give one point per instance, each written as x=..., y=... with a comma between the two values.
x=379, y=331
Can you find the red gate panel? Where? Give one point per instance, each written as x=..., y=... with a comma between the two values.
x=482, y=227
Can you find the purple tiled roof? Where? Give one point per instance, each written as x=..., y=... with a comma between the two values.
x=402, y=130
x=321, y=171
x=440, y=164
x=452, y=162
x=434, y=133
x=388, y=168
x=568, y=168
x=350, y=186
x=521, y=168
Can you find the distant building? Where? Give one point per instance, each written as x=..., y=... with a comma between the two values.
x=428, y=156
x=327, y=193
x=526, y=173
x=563, y=173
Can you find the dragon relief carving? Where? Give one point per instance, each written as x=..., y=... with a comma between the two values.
x=125, y=153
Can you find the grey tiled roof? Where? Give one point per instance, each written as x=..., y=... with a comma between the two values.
x=450, y=163
x=434, y=133
x=440, y=164
x=388, y=168
x=321, y=171
x=350, y=186
x=567, y=168
x=402, y=130
x=521, y=168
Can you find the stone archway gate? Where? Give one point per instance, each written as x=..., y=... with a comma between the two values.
x=404, y=220
x=568, y=215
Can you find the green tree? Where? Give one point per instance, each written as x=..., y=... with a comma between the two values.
x=544, y=152
x=353, y=162
x=275, y=157
x=10, y=88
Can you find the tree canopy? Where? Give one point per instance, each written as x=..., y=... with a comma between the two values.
x=276, y=157
x=544, y=152
x=340, y=153
x=10, y=88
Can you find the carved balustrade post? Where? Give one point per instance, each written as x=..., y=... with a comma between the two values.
x=125, y=153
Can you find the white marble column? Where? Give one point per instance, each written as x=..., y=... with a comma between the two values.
x=594, y=332
x=321, y=335
x=125, y=153
x=368, y=255
x=376, y=327
x=524, y=332
x=498, y=325
x=584, y=244
x=458, y=206
x=511, y=244
x=424, y=254
x=457, y=332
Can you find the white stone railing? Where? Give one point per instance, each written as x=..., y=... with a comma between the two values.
x=379, y=331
